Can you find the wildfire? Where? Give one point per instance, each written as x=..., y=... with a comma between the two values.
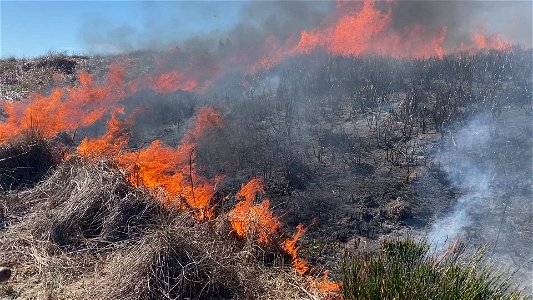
x=247, y=218
x=483, y=40
x=168, y=82
x=325, y=284
x=160, y=168
x=368, y=31
x=111, y=143
x=301, y=266
x=356, y=29
x=65, y=109
x=69, y=108
x=171, y=173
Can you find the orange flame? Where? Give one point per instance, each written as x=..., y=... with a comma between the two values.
x=357, y=28
x=324, y=284
x=247, y=219
x=301, y=266
x=111, y=143
x=65, y=109
x=483, y=40
x=171, y=82
x=368, y=31
x=173, y=171
x=162, y=169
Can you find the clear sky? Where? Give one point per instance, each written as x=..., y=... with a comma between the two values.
x=32, y=28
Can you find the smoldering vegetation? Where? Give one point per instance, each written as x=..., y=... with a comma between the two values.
x=362, y=146
x=362, y=149
x=489, y=159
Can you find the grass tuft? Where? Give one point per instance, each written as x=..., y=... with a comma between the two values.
x=25, y=160
x=406, y=269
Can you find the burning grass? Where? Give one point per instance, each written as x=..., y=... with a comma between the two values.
x=86, y=225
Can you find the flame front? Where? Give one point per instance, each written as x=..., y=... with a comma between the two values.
x=159, y=168
x=65, y=109
x=367, y=30
x=111, y=143
x=247, y=218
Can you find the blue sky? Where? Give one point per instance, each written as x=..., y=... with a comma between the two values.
x=32, y=28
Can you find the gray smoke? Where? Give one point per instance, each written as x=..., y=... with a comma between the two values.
x=513, y=19
x=285, y=19
x=462, y=164
x=255, y=22
x=489, y=162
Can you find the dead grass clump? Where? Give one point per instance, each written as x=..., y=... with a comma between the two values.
x=181, y=259
x=85, y=233
x=65, y=226
x=177, y=260
x=25, y=160
x=84, y=203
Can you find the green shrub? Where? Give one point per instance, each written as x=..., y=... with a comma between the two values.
x=406, y=269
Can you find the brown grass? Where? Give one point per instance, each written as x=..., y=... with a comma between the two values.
x=84, y=233
x=25, y=159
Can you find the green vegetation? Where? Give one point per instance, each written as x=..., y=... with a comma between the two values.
x=406, y=269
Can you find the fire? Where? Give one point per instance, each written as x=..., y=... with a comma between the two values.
x=357, y=28
x=162, y=169
x=171, y=82
x=368, y=31
x=324, y=284
x=301, y=266
x=65, y=109
x=482, y=40
x=111, y=143
x=173, y=171
x=247, y=218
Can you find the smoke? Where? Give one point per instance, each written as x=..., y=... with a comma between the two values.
x=201, y=25
x=468, y=171
x=489, y=161
x=511, y=19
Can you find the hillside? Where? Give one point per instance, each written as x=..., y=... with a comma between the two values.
x=359, y=150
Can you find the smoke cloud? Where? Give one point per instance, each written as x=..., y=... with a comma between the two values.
x=467, y=171
x=203, y=25
x=489, y=161
x=511, y=19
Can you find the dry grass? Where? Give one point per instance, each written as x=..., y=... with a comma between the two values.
x=84, y=233
x=25, y=159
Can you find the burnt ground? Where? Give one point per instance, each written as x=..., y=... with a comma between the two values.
x=352, y=162
x=355, y=208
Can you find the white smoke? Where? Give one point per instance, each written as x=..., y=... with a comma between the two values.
x=463, y=161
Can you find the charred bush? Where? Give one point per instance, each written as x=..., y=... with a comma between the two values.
x=59, y=63
x=25, y=160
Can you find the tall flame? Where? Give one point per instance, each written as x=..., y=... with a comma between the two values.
x=247, y=218
x=111, y=143
x=301, y=266
x=368, y=31
x=162, y=169
x=356, y=29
